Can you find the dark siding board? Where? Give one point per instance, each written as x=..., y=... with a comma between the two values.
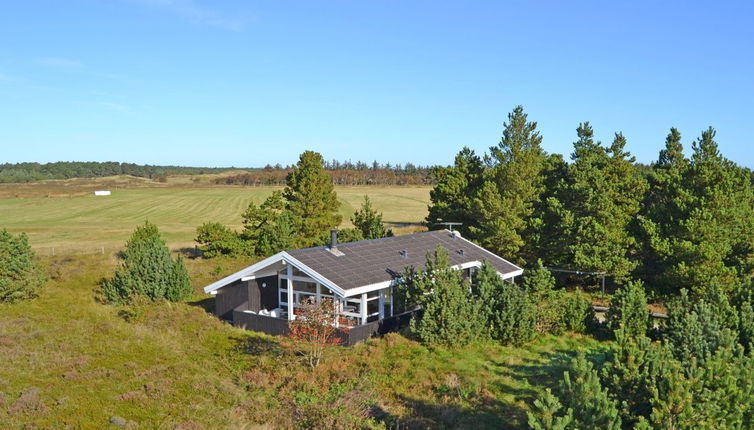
x=269, y=295
x=229, y=297
x=377, y=328
x=260, y=323
x=349, y=337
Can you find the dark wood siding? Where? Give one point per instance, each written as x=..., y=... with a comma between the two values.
x=229, y=297
x=261, y=323
x=263, y=297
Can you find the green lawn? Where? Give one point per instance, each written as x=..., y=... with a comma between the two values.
x=79, y=220
x=82, y=362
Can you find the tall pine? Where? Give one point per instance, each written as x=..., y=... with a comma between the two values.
x=714, y=240
x=663, y=209
x=600, y=203
x=311, y=199
x=452, y=198
x=513, y=188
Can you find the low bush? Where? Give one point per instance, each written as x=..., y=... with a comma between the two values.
x=147, y=270
x=20, y=276
x=628, y=309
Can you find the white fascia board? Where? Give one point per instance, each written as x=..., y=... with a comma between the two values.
x=386, y=284
x=243, y=272
x=508, y=275
x=467, y=265
x=313, y=274
x=516, y=272
x=250, y=273
x=258, y=275
x=368, y=288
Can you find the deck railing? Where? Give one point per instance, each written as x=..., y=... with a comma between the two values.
x=349, y=336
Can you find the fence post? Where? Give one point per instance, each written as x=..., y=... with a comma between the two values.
x=103, y=250
x=53, y=251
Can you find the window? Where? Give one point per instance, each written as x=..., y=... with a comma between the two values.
x=306, y=287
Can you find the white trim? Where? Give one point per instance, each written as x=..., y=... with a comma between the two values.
x=289, y=287
x=258, y=275
x=280, y=256
x=243, y=272
x=369, y=288
x=510, y=275
x=363, y=308
x=250, y=273
x=507, y=275
x=381, y=310
x=467, y=265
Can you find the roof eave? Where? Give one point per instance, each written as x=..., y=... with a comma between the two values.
x=280, y=256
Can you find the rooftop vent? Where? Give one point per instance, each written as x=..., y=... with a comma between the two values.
x=333, y=238
x=460, y=251
x=333, y=246
x=404, y=253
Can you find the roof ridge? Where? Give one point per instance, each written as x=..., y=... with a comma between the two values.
x=370, y=240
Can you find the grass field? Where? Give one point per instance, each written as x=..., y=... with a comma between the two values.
x=70, y=361
x=65, y=214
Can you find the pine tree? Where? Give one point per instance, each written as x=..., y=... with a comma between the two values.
x=512, y=190
x=600, y=201
x=20, y=276
x=547, y=229
x=549, y=415
x=268, y=228
x=507, y=310
x=662, y=209
x=630, y=374
x=698, y=328
x=539, y=281
x=628, y=310
x=452, y=197
x=485, y=289
x=216, y=239
x=369, y=222
x=147, y=270
x=450, y=317
x=714, y=242
x=590, y=404
x=311, y=199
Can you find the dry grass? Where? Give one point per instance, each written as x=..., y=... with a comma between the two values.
x=69, y=360
x=65, y=214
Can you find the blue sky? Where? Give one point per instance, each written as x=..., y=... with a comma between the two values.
x=244, y=83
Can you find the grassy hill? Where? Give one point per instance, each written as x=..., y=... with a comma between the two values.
x=69, y=360
x=66, y=215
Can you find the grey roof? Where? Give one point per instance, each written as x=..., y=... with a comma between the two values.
x=378, y=260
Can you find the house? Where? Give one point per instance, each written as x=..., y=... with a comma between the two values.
x=360, y=277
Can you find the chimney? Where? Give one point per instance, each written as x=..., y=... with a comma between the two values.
x=333, y=238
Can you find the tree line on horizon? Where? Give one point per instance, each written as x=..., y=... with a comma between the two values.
x=342, y=173
x=30, y=172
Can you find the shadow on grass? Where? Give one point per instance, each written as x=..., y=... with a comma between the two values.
x=544, y=373
x=190, y=253
x=488, y=413
x=207, y=303
x=257, y=344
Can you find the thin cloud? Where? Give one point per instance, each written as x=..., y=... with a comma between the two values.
x=196, y=14
x=60, y=63
x=114, y=106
